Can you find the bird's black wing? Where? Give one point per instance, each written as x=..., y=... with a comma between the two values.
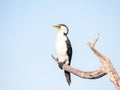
x=69, y=53
x=69, y=49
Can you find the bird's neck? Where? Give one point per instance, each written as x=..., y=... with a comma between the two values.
x=61, y=36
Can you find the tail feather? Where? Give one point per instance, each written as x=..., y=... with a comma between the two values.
x=68, y=77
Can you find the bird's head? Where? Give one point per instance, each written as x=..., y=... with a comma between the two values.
x=63, y=28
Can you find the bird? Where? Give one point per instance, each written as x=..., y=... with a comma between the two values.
x=63, y=48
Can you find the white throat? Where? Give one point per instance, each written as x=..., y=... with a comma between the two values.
x=64, y=30
x=61, y=36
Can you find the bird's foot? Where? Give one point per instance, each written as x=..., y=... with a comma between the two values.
x=60, y=64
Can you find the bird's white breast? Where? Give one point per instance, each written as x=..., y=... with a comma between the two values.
x=61, y=47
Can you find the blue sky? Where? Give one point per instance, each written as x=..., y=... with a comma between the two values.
x=27, y=40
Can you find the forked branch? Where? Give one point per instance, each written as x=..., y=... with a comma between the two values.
x=106, y=67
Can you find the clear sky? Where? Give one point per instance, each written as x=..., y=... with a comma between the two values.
x=27, y=40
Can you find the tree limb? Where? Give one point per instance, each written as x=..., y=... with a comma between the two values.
x=106, y=68
x=88, y=75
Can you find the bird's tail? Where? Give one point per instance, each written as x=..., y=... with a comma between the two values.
x=68, y=77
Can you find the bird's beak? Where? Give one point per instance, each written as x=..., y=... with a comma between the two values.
x=57, y=26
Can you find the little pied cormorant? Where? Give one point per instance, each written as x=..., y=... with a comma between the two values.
x=63, y=48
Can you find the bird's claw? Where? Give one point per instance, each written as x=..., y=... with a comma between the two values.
x=60, y=64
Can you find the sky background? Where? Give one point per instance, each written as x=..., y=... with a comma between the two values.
x=27, y=40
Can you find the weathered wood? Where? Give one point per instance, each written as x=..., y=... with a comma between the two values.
x=106, y=68
x=88, y=75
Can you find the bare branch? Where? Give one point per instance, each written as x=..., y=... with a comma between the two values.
x=106, y=68
x=55, y=59
x=94, y=42
x=88, y=75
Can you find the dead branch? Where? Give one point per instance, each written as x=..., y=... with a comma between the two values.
x=106, y=68
x=88, y=75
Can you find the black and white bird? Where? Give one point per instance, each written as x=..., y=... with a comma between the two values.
x=63, y=48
